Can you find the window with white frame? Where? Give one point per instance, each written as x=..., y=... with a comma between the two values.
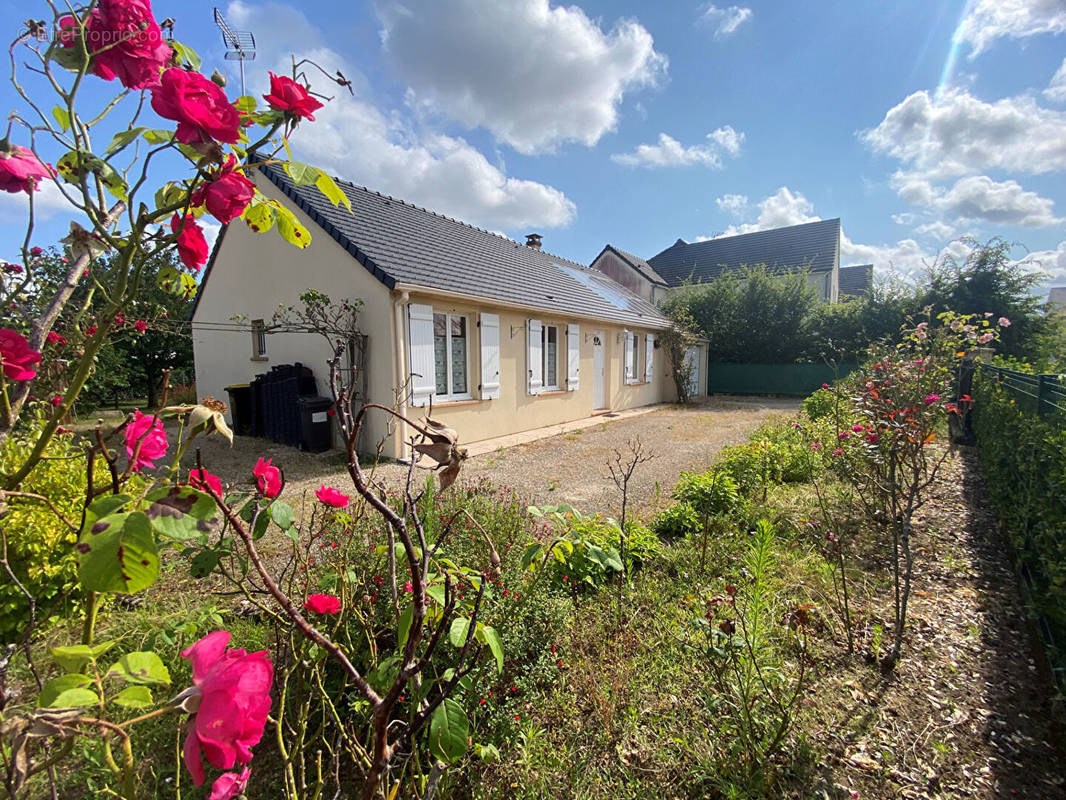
x=259, y=339
x=550, y=350
x=450, y=355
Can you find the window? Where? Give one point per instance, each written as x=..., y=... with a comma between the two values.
x=450, y=354
x=550, y=349
x=259, y=339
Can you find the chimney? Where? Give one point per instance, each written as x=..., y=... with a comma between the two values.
x=533, y=240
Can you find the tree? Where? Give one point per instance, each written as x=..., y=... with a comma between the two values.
x=752, y=316
x=989, y=281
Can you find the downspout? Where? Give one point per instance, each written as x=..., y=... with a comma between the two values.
x=398, y=303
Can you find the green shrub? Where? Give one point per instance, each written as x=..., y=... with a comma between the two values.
x=1023, y=456
x=580, y=555
x=40, y=547
x=819, y=405
x=676, y=522
x=710, y=493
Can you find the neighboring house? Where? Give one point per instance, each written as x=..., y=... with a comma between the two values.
x=502, y=336
x=813, y=246
x=856, y=281
x=631, y=271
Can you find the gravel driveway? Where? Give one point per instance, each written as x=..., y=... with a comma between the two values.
x=568, y=468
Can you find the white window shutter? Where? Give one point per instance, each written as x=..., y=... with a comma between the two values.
x=573, y=356
x=630, y=365
x=490, y=356
x=534, y=356
x=649, y=357
x=421, y=363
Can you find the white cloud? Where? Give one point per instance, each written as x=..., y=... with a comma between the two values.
x=779, y=210
x=978, y=197
x=1056, y=88
x=937, y=230
x=534, y=75
x=1052, y=262
x=724, y=20
x=354, y=139
x=957, y=134
x=48, y=202
x=211, y=231
x=992, y=19
x=735, y=204
x=671, y=153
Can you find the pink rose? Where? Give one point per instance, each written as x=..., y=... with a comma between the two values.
x=1004, y=322
x=192, y=246
x=331, y=497
x=199, y=107
x=838, y=451
x=872, y=438
x=227, y=195
x=20, y=169
x=232, y=688
x=229, y=785
x=268, y=478
x=145, y=441
x=293, y=98
x=323, y=604
x=56, y=401
x=202, y=479
x=125, y=42
x=931, y=398
x=985, y=338
x=16, y=356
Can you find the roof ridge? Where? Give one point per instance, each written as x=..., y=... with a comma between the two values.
x=763, y=230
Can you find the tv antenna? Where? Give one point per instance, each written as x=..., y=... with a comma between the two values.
x=240, y=45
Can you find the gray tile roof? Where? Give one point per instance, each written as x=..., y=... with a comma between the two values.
x=813, y=245
x=857, y=280
x=401, y=243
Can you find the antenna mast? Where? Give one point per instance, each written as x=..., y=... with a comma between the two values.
x=240, y=45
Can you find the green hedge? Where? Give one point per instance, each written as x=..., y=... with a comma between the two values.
x=1023, y=457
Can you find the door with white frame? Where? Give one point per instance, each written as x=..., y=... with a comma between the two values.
x=599, y=372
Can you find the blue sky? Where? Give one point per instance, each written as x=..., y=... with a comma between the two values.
x=914, y=121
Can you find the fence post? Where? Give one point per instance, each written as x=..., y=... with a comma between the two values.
x=1041, y=390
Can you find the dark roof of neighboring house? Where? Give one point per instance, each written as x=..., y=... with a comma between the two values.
x=857, y=280
x=401, y=243
x=812, y=245
x=636, y=262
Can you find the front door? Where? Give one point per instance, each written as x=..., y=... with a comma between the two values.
x=599, y=387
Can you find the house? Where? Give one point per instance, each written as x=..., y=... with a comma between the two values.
x=813, y=246
x=856, y=281
x=502, y=336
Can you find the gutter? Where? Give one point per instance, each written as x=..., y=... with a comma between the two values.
x=482, y=300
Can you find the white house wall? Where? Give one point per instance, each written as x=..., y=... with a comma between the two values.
x=516, y=410
x=255, y=272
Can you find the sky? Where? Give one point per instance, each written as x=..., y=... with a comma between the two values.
x=915, y=122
